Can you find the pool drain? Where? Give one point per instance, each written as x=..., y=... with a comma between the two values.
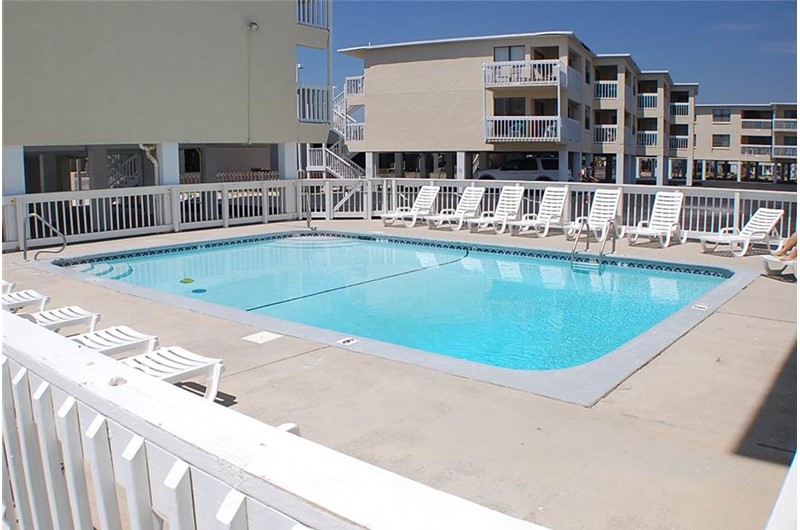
x=347, y=341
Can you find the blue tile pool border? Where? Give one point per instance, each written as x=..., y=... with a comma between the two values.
x=585, y=384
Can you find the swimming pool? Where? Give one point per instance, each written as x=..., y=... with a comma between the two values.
x=495, y=308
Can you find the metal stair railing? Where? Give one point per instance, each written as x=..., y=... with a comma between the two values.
x=27, y=234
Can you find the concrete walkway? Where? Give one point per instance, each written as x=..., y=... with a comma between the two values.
x=698, y=438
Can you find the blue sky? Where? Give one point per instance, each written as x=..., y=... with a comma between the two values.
x=739, y=52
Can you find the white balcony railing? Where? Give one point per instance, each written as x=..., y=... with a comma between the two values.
x=678, y=142
x=604, y=134
x=646, y=138
x=523, y=73
x=756, y=150
x=523, y=129
x=313, y=13
x=784, y=151
x=312, y=104
x=756, y=124
x=605, y=89
x=354, y=86
x=648, y=101
x=784, y=124
x=678, y=109
x=354, y=132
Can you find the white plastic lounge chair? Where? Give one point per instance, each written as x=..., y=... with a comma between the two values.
x=55, y=319
x=7, y=287
x=507, y=210
x=467, y=208
x=423, y=205
x=551, y=213
x=761, y=228
x=665, y=220
x=173, y=364
x=16, y=300
x=117, y=339
x=605, y=203
x=775, y=266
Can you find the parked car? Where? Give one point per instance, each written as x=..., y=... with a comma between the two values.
x=531, y=168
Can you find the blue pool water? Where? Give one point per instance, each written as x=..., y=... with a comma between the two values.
x=512, y=311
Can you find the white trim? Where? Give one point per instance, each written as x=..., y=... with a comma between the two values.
x=458, y=39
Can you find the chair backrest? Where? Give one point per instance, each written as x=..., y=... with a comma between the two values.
x=425, y=199
x=764, y=220
x=510, y=200
x=470, y=201
x=552, y=204
x=605, y=204
x=666, y=210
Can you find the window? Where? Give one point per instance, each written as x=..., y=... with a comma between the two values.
x=587, y=73
x=573, y=110
x=721, y=140
x=509, y=107
x=509, y=53
x=790, y=114
x=721, y=115
x=587, y=117
x=549, y=163
x=574, y=60
x=528, y=164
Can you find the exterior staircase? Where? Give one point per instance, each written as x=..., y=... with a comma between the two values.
x=124, y=170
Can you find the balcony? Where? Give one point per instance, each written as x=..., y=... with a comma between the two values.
x=756, y=150
x=678, y=142
x=313, y=13
x=605, y=134
x=523, y=129
x=354, y=132
x=679, y=109
x=757, y=124
x=648, y=101
x=605, y=89
x=524, y=73
x=313, y=104
x=784, y=124
x=647, y=138
x=354, y=86
x=784, y=151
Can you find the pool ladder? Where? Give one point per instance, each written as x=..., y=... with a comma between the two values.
x=592, y=263
x=26, y=235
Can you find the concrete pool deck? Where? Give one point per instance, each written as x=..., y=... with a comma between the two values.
x=700, y=437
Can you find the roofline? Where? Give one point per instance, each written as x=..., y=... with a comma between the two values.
x=734, y=104
x=610, y=55
x=686, y=84
x=655, y=72
x=459, y=39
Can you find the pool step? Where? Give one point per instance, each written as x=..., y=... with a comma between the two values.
x=586, y=266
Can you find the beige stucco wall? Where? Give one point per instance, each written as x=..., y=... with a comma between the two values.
x=705, y=128
x=110, y=72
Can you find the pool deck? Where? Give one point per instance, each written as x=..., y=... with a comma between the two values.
x=700, y=437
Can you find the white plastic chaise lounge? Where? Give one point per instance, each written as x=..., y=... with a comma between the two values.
x=62, y=317
x=173, y=364
x=117, y=339
x=664, y=222
x=7, y=287
x=423, y=205
x=761, y=228
x=775, y=266
x=16, y=300
x=507, y=210
x=550, y=214
x=467, y=208
x=605, y=204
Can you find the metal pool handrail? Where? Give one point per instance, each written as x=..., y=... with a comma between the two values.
x=27, y=236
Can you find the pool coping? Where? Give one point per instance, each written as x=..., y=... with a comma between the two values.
x=585, y=384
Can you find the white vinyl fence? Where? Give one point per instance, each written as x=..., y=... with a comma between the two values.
x=103, y=214
x=89, y=442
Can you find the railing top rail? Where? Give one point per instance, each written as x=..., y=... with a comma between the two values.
x=523, y=62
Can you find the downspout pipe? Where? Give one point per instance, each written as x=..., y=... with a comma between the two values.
x=147, y=152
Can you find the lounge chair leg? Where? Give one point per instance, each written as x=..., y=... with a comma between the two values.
x=212, y=382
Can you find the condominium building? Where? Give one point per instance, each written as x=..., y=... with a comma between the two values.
x=146, y=91
x=474, y=102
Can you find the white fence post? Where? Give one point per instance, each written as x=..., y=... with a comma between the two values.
x=737, y=208
x=174, y=209
x=226, y=214
x=328, y=200
x=22, y=220
x=265, y=201
x=368, y=202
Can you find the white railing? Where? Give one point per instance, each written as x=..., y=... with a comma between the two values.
x=679, y=142
x=312, y=104
x=783, y=124
x=605, y=89
x=523, y=73
x=756, y=150
x=354, y=86
x=784, y=151
x=323, y=159
x=522, y=129
x=111, y=447
x=604, y=134
x=678, y=109
x=195, y=177
x=124, y=170
x=756, y=124
x=313, y=13
x=354, y=132
x=646, y=138
x=648, y=101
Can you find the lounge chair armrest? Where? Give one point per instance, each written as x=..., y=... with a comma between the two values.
x=580, y=219
x=729, y=230
x=402, y=209
x=447, y=211
x=642, y=224
x=528, y=217
x=487, y=214
x=759, y=235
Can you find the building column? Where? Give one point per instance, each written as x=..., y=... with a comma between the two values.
x=422, y=165
x=619, y=168
x=371, y=164
x=169, y=166
x=13, y=170
x=739, y=171
x=98, y=167
x=703, y=170
x=461, y=165
x=48, y=172
x=287, y=161
x=659, y=170
x=576, y=166
x=563, y=165
x=399, y=170
x=208, y=164
x=689, y=171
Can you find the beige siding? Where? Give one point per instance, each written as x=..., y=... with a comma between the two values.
x=129, y=72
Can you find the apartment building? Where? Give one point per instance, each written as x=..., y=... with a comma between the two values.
x=473, y=102
x=144, y=91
